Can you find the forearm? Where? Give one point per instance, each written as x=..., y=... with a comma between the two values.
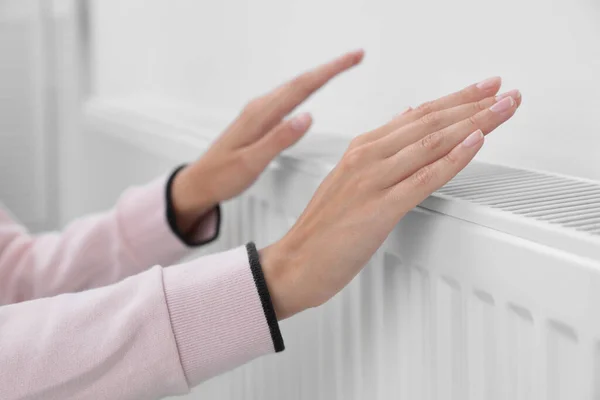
x=152, y=335
x=98, y=249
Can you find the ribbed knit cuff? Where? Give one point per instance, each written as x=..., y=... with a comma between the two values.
x=265, y=297
x=206, y=229
x=217, y=314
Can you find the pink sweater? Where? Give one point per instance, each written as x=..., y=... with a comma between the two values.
x=89, y=313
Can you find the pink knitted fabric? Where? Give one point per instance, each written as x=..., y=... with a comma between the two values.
x=89, y=313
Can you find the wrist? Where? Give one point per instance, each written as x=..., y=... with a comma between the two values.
x=281, y=273
x=190, y=201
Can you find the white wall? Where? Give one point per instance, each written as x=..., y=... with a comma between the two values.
x=27, y=134
x=215, y=55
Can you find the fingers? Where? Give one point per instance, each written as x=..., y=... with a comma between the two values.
x=515, y=94
x=438, y=144
x=279, y=138
x=426, y=180
x=470, y=94
x=437, y=120
x=263, y=114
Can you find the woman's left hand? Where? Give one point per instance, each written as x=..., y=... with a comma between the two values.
x=250, y=143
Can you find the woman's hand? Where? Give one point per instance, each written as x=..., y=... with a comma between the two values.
x=381, y=177
x=250, y=143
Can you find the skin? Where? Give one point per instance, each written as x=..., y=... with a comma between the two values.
x=250, y=143
x=382, y=176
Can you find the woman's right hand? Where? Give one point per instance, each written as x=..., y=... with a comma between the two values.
x=382, y=176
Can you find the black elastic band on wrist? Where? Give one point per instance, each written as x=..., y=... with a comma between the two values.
x=265, y=297
x=172, y=220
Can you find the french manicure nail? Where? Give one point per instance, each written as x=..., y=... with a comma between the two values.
x=357, y=55
x=473, y=138
x=515, y=94
x=489, y=83
x=503, y=105
x=301, y=122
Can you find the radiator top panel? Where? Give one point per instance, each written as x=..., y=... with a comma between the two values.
x=570, y=203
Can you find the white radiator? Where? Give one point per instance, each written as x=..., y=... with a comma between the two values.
x=489, y=290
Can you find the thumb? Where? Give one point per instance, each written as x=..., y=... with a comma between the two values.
x=282, y=136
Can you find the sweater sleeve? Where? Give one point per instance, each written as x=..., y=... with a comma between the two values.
x=152, y=335
x=99, y=249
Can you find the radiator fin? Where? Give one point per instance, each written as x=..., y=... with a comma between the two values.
x=450, y=343
x=520, y=368
x=563, y=376
x=482, y=339
x=397, y=328
x=369, y=330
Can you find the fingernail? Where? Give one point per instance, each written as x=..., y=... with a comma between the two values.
x=301, y=122
x=503, y=105
x=473, y=138
x=515, y=94
x=357, y=55
x=489, y=83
